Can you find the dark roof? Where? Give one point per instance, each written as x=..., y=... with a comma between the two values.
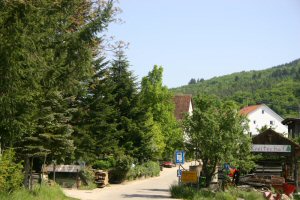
x=270, y=136
x=182, y=104
x=288, y=121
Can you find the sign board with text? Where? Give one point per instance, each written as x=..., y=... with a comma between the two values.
x=179, y=157
x=271, y=148
x=189, y=177
x=179, y=172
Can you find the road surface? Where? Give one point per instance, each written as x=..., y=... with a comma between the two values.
x=151, y=188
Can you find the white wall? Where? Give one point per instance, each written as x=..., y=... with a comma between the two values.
x=261, y=119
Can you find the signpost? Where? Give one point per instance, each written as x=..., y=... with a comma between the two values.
x=189, y=177
x=179, y=172
x=179, y=157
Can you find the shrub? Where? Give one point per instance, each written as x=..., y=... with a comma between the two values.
x=105, y=164
x=123, y=164
x=182, y=192
x=89, y=178
x=148, y=169
x=11, y=176
x=185, y=192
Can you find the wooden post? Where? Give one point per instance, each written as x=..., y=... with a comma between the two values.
x=54, y=166
x=295, y=169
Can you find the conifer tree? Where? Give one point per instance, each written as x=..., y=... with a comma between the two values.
x=47, y=52
x=134, y=124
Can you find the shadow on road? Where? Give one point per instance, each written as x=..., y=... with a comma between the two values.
x=157, y=190
x=148, y=196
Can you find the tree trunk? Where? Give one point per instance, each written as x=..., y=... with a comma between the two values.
x=26, y=175
x=31, y=164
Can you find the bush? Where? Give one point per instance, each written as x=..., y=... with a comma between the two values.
x=185, y=192
x=119, y=173
x=148, y=169
x=182, y=192
x=11, y=176
x=105, y=164
x=89, y=179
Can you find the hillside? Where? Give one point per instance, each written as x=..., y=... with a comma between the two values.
x=278, y=87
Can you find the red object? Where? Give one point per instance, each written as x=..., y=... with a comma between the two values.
x=288, y=188
x=231, y=171
x=285, y=188
x=168, y=164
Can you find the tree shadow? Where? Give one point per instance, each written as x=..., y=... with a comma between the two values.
x=157, y=190
x=147, y=196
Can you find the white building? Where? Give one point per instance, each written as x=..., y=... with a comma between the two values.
x=260, y=116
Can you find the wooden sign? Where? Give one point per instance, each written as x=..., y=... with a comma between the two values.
x=271, y=148
x=189, y=177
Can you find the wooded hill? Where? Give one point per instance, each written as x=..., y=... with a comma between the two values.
x=278, y=87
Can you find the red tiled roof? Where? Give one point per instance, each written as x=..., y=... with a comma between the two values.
x=182, y=103
x=248, y=109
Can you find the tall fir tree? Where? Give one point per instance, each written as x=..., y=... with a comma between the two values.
x=47, y=52
x=95, y=120
x=134, y=123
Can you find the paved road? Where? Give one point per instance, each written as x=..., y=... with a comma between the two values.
x=153, y=188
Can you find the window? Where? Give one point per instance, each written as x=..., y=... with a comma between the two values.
x=272, y=122
x=262, y=111
x=254, y=122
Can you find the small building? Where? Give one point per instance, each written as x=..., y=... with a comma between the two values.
x=280, y=156
x=262, y=116
x=293, y=127
x=183, y=106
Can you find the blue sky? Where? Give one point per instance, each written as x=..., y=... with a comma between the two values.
x=204, y=39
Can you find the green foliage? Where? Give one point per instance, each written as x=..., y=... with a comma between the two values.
x=123, y=165
x=182, y=192
x=44, y=192
x=104, y=164
x=278, y=87
x=11, y=175
x=212, y=123
x=88, y=175
x=159, y=101
x=148, y=169
x=45, y=63
x=186, y=192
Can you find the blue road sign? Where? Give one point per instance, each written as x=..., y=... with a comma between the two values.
x=179, y=172
x=179, y=157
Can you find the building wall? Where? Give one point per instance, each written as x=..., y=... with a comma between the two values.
x=190, y=109
x=265, y=116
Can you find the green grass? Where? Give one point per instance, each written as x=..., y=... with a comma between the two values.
x=42, y=192
x=190, y=193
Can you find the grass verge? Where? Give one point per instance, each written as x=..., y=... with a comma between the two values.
x=42, y=192
x=190, y=193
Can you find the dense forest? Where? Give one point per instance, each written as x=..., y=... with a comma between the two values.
x=278, y=87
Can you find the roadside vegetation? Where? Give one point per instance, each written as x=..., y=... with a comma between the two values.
x=43, y=192
x=190, y=193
